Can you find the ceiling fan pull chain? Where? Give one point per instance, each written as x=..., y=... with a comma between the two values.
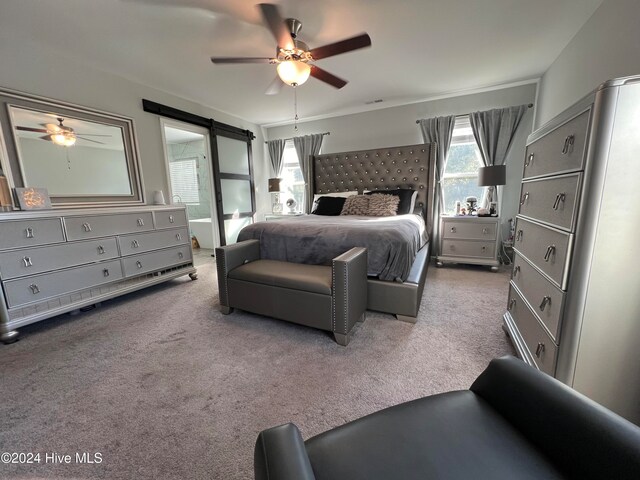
x=295, y=107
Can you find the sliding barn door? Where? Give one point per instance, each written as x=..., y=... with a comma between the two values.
x=235, y=195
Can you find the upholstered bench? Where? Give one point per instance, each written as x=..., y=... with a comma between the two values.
x=331, y=298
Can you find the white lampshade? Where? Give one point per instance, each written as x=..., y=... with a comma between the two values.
x=293, y=72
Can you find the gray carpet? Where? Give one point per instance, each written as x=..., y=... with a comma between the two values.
x=164, y=386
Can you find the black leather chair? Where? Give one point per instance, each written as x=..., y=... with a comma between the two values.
x=513, y=423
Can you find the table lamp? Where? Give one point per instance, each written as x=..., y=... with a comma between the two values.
x=274, y=190
x=491, y=177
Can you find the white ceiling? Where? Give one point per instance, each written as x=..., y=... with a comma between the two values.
x=421, y=48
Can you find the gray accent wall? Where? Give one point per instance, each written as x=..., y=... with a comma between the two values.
x=395, y=126
x=48, y=72
x=607, y=46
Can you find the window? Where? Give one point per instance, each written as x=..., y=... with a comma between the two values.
x=184, y=179
x=460, y=179
x=292, y=179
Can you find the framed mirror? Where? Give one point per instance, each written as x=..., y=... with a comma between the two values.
x=83, y=157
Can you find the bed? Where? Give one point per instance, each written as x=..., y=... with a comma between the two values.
x=398, y=247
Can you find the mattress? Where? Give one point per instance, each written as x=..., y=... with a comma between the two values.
x=391, y=242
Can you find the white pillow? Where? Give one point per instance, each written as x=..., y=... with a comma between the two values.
x=413, y=201
x=334, y=194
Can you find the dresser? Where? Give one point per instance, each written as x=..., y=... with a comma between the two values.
x=469, y=239
x=574, y=299
x=57, y=261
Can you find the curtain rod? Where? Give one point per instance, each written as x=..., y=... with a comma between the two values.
x=285, y=139
x=465, y=114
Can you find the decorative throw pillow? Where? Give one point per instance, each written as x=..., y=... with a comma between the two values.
x=356, y=205
x=381, y=205
x=334, y=194
x=328, y=205
x=407, y=198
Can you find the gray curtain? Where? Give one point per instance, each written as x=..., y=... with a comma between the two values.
x=439, y=131
x=494, y=131
x=276, y=148
x=307, y=146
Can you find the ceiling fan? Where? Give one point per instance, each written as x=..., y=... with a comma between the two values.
x=294, y=59
x=60, y=134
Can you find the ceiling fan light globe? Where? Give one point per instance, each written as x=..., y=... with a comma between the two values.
x=293, y=72
x=64, y=140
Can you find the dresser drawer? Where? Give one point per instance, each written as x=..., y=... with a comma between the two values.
x=40, y=287
x=94, y=226
x=469, y=230
x=31, y=261
x=29, y=233
x=468, y=248
x=145, y=242
x=561, y=150
x=552, y=200
x=544, y=298
x=171, y=219
x=547, y=248
x=541, y=348
x=147, y=262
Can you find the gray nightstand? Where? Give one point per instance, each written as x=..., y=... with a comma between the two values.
x=278, y=216
x=469, y=239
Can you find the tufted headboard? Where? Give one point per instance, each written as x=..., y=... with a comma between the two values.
x=408, y=166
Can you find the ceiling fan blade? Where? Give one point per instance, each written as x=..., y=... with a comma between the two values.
x=274, y=87
x=344, y=46
x=91, y=135
x=29, y=129
x=46, y=137
x=89, y=140
x=327, y=77
x=275, y=23
x=223, y=60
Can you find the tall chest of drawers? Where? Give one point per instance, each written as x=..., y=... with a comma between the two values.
x=574, y=298
x=52, y=262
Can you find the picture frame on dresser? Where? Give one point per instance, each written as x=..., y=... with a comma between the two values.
x=83, y=156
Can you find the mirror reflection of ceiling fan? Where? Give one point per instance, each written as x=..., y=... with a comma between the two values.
x=294, y=59
x=61, y=134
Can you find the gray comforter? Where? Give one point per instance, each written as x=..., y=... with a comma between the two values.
x=391, y=242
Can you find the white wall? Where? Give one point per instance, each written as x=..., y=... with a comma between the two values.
x=44, y=71
x=397, y=126
x=607, y=46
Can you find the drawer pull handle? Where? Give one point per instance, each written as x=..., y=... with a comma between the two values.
x=29, y=232
x=170, y=218
x=140, y=222
x=101, y=250
x=86, y=226
x=546, y=300
x=551, y=249
x=519, y=235
x=27, y=261
x=524, y=198
x=484, y=248
x=139, y=264
x=529, y=160
x=568, y=145
x=485, y=230
x=178, y=236
x=512, y=303
x=539, y=349
x=34, y=288
x=134, y=244
x=516, y=270
x=105, y=272
x=453, y=229
x=559, y=198
x=180, y=255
